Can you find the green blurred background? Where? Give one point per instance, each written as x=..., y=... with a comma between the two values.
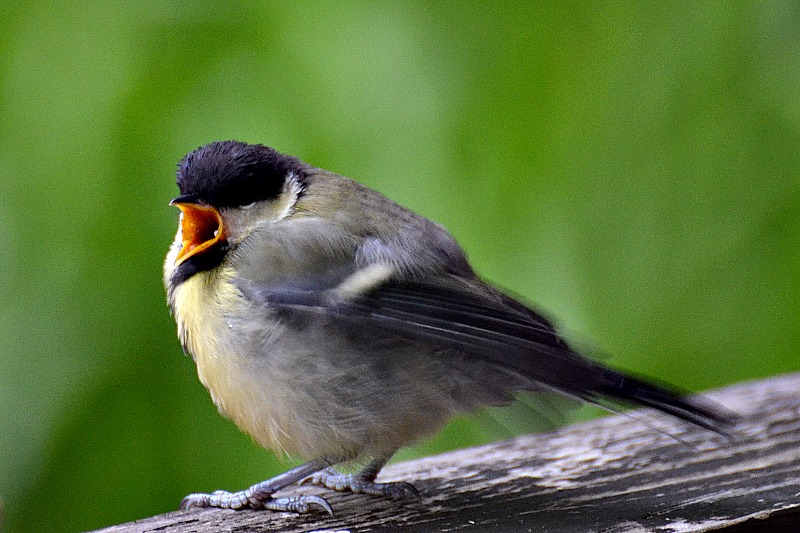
x=631, y=168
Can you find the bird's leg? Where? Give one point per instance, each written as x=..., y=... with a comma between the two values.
x=259, y=496
x=363, y=482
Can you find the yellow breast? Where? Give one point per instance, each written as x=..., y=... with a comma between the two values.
x=301, y=393
x=240, y=384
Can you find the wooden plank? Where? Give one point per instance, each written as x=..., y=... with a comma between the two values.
x=613, y=475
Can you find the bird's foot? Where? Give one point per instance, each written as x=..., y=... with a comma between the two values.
x=358, y=484
x=255, y=499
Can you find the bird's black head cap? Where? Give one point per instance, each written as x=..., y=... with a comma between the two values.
x=232, y=173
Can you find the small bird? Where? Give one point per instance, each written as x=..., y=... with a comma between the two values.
x=330, y=323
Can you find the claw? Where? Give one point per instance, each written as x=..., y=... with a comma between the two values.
x=194, y=500
x=308, y=480
x=402, y=491
x=298, y=504
x=321, y=503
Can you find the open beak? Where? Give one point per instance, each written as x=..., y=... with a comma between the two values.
x=201, y=228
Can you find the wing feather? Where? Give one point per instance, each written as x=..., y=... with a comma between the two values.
x=453, y=313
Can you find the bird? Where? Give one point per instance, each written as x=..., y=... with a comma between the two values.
x=332, y=324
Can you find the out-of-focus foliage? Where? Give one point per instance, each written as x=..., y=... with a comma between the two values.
x=631, y=168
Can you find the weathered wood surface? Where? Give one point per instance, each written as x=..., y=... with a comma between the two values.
x=612, y=475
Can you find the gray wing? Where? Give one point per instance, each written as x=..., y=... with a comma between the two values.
x=451, y=312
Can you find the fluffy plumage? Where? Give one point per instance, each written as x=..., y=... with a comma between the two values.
x=334, y=324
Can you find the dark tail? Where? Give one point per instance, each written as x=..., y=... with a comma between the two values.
x=616, y=386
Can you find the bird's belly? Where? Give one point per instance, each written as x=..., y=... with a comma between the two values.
x=312, y=392
x=250, y=395
x=311, y=399
x=247, y=387
x=240, y=384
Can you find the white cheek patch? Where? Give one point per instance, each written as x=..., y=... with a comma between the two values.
x=288, y=198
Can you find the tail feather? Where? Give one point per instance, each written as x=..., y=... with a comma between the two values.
x=702, y=412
